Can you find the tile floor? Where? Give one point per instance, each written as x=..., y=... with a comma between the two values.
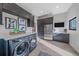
x=45, y=51
x=64, y=46
x=42, y=50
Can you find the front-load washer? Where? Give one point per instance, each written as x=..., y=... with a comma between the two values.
x=19, y=47
x=33, y=42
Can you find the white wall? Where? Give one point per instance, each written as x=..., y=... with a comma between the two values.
x=5, y=32
x=74, y=35
x=65, y=17
x=59, y=18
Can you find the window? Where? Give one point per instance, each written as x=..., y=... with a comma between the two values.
x=72, y=24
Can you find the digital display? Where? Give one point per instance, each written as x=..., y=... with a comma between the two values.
x=61, y=24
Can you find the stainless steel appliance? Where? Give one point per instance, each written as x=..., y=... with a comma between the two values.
x=19, y=47
x=48, y=32
x=33, y=42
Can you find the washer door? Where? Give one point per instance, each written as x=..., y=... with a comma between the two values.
x=33, y=44
x=22, y=49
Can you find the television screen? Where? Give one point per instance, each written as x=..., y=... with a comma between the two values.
x=61, y=24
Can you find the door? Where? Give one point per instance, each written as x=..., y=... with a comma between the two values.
x=48, y=30
x=22, y=49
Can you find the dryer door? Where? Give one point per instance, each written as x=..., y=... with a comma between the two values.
x=22, y=49
x=33, y=43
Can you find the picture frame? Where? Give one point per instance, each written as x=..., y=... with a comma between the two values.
x=72, y=24
x=22, y=24
x=10, y=23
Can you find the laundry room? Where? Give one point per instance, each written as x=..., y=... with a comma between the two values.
x=39, y=29
x=17, y=31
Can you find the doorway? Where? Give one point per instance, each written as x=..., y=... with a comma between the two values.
x=45, y=28
x=48, y=32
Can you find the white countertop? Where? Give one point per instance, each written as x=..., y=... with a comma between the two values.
x=5, y=33
x=9, y=37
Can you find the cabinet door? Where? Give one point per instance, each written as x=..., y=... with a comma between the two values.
x=16, y=10
x=8, y=6
x=32, y=21
x=0, y=7
x=2, y=47
x=21, y=12
x=66, y=38
x=58, y=37
x=0, y=13
x=61, y=37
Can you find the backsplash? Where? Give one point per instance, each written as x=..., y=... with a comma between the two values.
x=59, y=30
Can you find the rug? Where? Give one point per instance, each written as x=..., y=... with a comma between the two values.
x=43, y=54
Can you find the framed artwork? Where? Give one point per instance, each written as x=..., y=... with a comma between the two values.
x=10, y=23
x=72, y=24
x=22, y=25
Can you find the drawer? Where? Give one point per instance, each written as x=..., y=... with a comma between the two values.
x=61, y=37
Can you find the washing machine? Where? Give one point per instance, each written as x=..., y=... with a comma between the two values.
x=19, y=46
x=33, y=42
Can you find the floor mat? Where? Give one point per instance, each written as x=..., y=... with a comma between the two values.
x=43, y=54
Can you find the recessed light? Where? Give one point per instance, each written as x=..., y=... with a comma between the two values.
x=57, y=6
x=41, y=11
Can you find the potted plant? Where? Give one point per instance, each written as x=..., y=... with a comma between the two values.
x=65, y=30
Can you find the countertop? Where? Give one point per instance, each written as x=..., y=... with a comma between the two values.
x=60, y=33
x=9, y=37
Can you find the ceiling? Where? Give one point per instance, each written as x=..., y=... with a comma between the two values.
x=39, y=9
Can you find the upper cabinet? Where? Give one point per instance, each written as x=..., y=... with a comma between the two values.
x=0, y=7
x=17, y=10
x=0, y=13
x=48, y=20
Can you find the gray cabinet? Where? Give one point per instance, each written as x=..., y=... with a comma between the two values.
x=14, y=9
x=32, y=21
x=9, y=8
x=0, y=13
x=0, y=7
x=1, y=19
x=61, y=37
x=2, y=47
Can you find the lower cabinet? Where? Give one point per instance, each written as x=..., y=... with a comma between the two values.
x=2, y=47
x=61, y=37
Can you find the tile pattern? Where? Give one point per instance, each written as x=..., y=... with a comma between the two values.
x=46, y=50
x=64, y=46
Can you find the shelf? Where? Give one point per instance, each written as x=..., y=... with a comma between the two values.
x=18, y=33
